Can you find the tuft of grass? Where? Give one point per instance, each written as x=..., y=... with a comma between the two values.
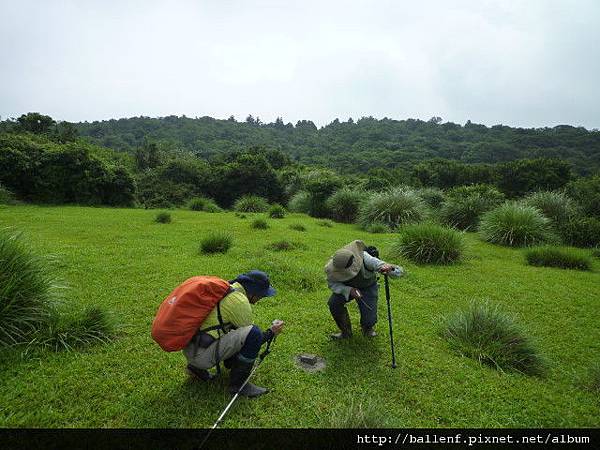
x=581, y=232
x=430, y=244
x=556, y=206
x=434, y=197
x=300, y=202
x=251, y=203
x=344, y=204
x=284, y=245
x=259, y=224
x=240, y=215
x=564, y=258
x=325, y=223
x=27, y=290
x=395, y=207
x=491, y=337
x=92, y=326
x=277, y=212
x=378, y=228
x=356, y=414
x=216, y=242
x=464, y=212
x=297, y=227
x=163, y=217
x=516, y=225
x=203, y=204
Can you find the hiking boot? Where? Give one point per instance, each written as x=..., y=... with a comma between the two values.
x=239, y=373
x=200, y=374
x=343, y=322
x=369, y=332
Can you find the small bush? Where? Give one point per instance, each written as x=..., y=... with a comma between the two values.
x=216, y=242
x=516, y=225
x=277, y=212
x=300, y=202
x=92, y=326
x=395, y=207
x=297, y=227
x=251, y=203
x=203, y=204
x=259, y=224
x=488, y=192
x=344, y=204
x=486, y=334
x=27, y=290
x=581, y=232
x=284, y=245
x=430, y=244
x=325, y=223
x=163, y=217
x=434, y=197
x=377, y=228
x=556, y=206
x=354, y=414
x=464, y=213
x=563, y=258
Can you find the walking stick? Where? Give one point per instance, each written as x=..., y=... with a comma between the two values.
x=262, y=356
x=389, y=308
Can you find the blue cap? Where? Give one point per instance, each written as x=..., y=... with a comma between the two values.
x=257, y=283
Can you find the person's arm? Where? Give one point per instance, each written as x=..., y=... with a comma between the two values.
x=377, y=265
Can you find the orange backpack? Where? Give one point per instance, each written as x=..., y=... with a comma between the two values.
x=183, y=311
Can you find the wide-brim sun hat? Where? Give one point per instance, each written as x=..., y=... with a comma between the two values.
x=346, y=263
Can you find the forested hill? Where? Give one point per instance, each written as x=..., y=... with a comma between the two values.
x=355, y=146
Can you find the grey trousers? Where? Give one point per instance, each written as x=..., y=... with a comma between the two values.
x=367, y=305
x=228, y=345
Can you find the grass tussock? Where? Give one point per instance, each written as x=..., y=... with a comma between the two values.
x=297, y=227
x=300, y=202
x=556, y=206
x=394, y=207
x=430, y=244
x=163, y=217
x=516, y=225
x=344, y=204
x=259, y=224
x=434, y=197
x=251, y=203
x=491, y=337
x=283, y=245
x=325, y=223
x=277, y=212
x=563, y=258
x=203, y=204
x=216, y=242
x=27, y=290
x=377, y=228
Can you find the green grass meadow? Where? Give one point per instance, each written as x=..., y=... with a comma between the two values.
x=124, y=261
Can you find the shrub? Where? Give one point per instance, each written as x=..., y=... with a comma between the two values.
x=464, y=213
x=27, y=289
x=163, y=217
x=284, y=245
x=490, y=193
x=6, y=196
x=344, y=204
x=216, y=242
x=91, y=326
x=251, y=203
x=259, y=224
x=430, y=244
x=363, y=414
x=325, y=223
x=586, y=192
x=300, y=202
x=434, y=197
x=558, y=257
x=298, y=227
x=395, y=207
x=556, y=206
x=277, y=212
x=377, y=227
x=203, y=204
x=582, y=232
x=516, y=225
x=491, y=337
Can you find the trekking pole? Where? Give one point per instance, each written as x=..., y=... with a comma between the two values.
x=389, y=308
x=261, y=357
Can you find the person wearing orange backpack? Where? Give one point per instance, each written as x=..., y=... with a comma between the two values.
x=228, y=334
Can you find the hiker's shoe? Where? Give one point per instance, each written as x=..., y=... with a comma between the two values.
x=199, y=374
x=338, y=336
x=369, y=332
x=250, y=390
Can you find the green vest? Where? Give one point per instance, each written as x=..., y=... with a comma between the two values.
x=363, y=279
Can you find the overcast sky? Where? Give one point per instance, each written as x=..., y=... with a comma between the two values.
x=527, y=63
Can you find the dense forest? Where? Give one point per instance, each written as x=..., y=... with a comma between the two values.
x=355, y=146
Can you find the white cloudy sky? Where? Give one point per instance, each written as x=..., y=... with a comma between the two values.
x=525, y=63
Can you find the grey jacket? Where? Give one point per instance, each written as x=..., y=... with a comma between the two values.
x=371, y=263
